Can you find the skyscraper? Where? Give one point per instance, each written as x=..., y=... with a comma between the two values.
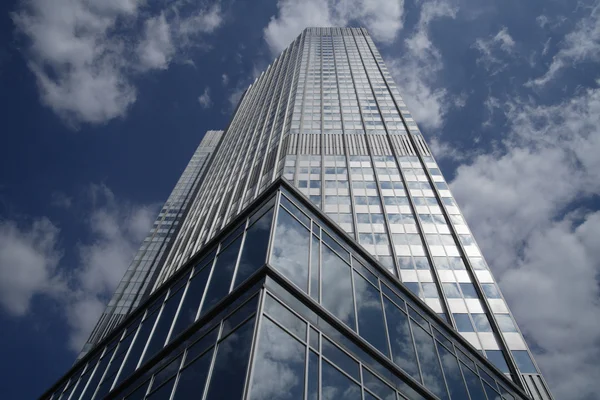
x=138, y=280
x=323, y=256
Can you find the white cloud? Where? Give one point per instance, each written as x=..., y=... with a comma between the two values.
x=225, y=79
x=581, y=44
x=489, y=48
x=546, y=261
x=417, y=69
x=61, y=200
x=28, y=261
x=80, y=51
x=382, y=18
x=204, y=99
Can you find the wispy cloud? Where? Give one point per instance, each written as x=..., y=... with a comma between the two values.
x=81, y=51
x=493, y=49
x=204, y=99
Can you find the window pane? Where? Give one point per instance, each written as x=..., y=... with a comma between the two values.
x=279, y=366
x=285, y=317
x=218, y=287
x=505, y=322
x=191, y=302
x=229, y=372
x=403, y=351
x=313, y=376
x=454, y=379
x=254, y=253
x=370, y=314
x=193, y=378
x=377, y=386
x=136, y=349
x=340, y=358
x=314, y=268
x=337, y=287
x=290, y=249
x=336, y=385
x=524, y=362
x=164, y=392
x=164, y=325
x=463, y=323
x=497, y=358
x=430, y=364
x=474, y=384
x=481, y=322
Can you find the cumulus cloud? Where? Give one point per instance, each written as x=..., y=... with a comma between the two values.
x=524, y=205
x=417, y=69
x=204, y=99
x=581, y=44
x=31, y=260
x=80, y=51
x=28, y=262
x=382, y=18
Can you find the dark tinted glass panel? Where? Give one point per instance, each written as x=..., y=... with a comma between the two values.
x=193, y=378
x=377, y=386
x=497, y=358
x=474, y=384
x=164, y=325
x=279, y=365
x=239, y=315
x=371, y=325
x=98, y=373
x=454, y=379
x=164, y=392
x=290, y=249
x=233, y=235
x=313, y=376
x=254, y=252
x=166, y=373
x=229, y=372
x=336, y=385
x=468, y=291
x=201, y=345
x=220, y=280
x=285, y=317
x=191, y=302
x=340, y=358
x=336, y=246
x=337, y=287
x=314, y=338
x=430, y=364
x=403, y=351
x=139, y=393
x=393, y=296
x=314, y=268
x=81, y=385
x=492, y=394
x=463, y=323
x=136, y=349
x=524, y=362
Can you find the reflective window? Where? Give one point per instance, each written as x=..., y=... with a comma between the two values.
x=285, y=317
x=370, y=314
x=468, y=291
x=463, y=323
x=290, y=249
x=403, y=351
x=474, y=384
x=163, y=392
x=524, y=361
x=377, y=386
x=229, y=371
x=451, y=290
x=164, y=325
x=191, y=302
x=337, y=385
x=337, y=287
x=497, y=358
x=192, y=379
x=454, y=379
x=220, y=279
x=481, y=322
x=313, y=376
x=137, y=347
x=490, y=290
x=255, y=248
x=278, y=371
x=340, y=358
x=430, y=364
x=314, y=268
x=505, y=322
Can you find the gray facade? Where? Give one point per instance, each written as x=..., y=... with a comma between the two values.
x=327, y=116
x=141, y=273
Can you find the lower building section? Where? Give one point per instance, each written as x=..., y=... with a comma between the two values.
x=281, y=305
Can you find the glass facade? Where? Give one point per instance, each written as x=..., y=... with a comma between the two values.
x=139, y=278
x=238, y=322
x=368, y=281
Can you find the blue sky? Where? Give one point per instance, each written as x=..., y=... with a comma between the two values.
x=104, y=102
